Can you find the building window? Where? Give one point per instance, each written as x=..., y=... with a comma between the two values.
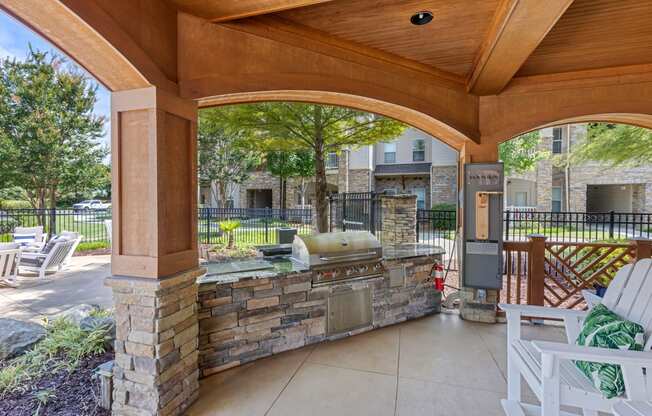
x=390, y=191
x=521, y=199
x=556, y=199
x=556, y=140
x=331, y=160
x=390, y=152
x=418, y=151
x=421, y=197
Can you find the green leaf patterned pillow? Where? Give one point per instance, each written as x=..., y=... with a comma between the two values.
x=603, y=328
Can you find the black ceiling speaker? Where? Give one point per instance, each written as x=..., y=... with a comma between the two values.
x=421, y=18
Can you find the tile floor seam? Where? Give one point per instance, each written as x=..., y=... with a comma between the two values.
x=452, y=384
x=350, y=368
x=493, y=357
x=398, y=373
x=290, y=380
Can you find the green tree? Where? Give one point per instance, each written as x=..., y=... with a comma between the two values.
x=285, y=165
x=521, y=153
x=49, y=136
x=615, y=144
x=320, y=129
x=223, y=159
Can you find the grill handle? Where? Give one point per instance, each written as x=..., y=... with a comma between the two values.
x=354, y=256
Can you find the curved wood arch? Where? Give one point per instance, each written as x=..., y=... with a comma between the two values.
x=426, y=123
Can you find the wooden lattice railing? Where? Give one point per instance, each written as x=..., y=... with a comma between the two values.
x=552, y=273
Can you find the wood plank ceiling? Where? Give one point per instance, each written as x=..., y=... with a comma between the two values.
x=469, y=38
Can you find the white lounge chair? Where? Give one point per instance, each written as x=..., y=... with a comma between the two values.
x=9, y=259
x=51, y=259
x=31, y=237
x=548, y=367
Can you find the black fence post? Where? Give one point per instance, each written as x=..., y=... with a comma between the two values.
x=418, y=221
x=266, y=218
x=330, y=211
x=344, y=212
x=507, y=212
x=372, y=214
x=611, y=224
x=53, y=221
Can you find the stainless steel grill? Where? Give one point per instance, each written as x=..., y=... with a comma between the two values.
x=339, y=256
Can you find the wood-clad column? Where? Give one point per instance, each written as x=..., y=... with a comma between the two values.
x=154, y=183
x=155, y=256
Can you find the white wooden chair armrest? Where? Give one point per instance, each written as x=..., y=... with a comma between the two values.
x=541, y=311
x=594, y=354
x=591, y=298
x=30, y=254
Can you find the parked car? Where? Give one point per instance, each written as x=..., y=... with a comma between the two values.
x=91, y=205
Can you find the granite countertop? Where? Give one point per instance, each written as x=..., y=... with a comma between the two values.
x=249, y=269
x=259, y=268
x=406, y=251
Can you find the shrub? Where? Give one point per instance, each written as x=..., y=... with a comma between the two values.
x=64, y=346
x=92, y=245
x=441, y=221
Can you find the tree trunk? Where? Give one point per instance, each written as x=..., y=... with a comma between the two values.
x=231, y=241
x=302, y=191
x=321, y=205
x=53, y=212
x=221, y=187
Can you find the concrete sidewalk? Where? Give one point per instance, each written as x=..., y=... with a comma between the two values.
x=81, y=282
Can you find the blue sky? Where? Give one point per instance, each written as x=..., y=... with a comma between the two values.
x=15, y=39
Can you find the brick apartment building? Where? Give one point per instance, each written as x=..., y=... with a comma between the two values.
x=413, y=163
x=590, y=187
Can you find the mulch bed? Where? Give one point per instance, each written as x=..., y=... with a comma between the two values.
x=74, y=393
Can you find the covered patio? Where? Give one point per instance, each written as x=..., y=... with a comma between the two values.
x=478, y=74
x=437, y=365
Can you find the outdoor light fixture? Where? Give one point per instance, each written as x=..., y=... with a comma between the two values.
x=421, y=18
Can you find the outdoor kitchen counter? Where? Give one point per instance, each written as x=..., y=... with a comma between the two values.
x=250, y=310
x=281, y=267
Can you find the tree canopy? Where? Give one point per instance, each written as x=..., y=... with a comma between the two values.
x=285, y=126
x=615, y=144
x=49, y=135
x=223, y=157
x=521, y=153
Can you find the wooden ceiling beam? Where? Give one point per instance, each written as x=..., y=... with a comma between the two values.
x=517, y=29
x=226, y=10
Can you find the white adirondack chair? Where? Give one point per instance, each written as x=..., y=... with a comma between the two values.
x=53, y=259
x=109, y=231
x=9, y=259
x=31, y=237
x=548, y=368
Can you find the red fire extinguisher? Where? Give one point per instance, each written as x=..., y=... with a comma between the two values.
x=438, y=269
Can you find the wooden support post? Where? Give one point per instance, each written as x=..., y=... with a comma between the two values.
x=536, y=270
x=643, y=247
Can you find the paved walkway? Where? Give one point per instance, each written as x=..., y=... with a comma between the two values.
x=81, y=282
x=435, y=366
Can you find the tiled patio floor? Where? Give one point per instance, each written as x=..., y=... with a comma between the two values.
x=439, y=365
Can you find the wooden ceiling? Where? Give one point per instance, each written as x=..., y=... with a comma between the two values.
x=485, y=43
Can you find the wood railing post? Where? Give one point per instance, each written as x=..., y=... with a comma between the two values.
x=536, y=270
x=643, y=248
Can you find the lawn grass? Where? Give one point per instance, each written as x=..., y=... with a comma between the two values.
x=92, y=245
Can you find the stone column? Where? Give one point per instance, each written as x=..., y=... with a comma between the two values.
x=399, y=219
x=155, y=258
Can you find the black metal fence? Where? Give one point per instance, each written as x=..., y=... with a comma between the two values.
x=257, y=225
x=89, y=223
x=355, y=211
x=577, y=226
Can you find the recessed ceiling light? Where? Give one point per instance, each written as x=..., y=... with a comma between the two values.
x=421, y=18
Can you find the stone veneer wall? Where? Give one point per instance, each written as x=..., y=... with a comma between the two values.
x=155, y=371
x=444, y=184
x=247, y=320
x=399, y=216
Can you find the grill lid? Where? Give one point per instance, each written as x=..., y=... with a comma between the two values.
x=335, y=247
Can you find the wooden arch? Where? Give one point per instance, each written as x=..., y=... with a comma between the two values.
x=428, y=124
